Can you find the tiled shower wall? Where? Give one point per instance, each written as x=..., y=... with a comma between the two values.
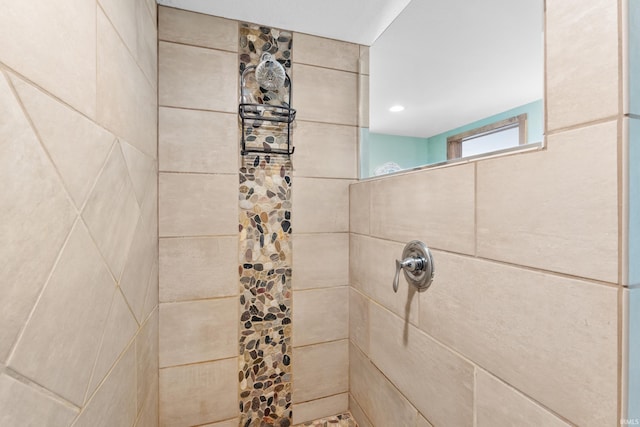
x=199, y=164
x=78, y=115
x=521, y=324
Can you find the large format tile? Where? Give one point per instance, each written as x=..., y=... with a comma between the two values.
x=382, y=402
x=325, y=150
x=186, y=270
x=323, y=52
x=147, y=362
x=327, y=96
x=358, y=413
x=359, y=319
x=435, y=206
x=127, y=103
x=320, y=370
x=143, y=255
x=321, y=205
x=520, y=324
x=555, y=209
x=320, y=260
x=198, y=331
x=197, y=141
x=320, y=315
x=143, y=170
x=36, y=217
x=497, y=404
x=359, y=199
x=112, y=212
x=114, y=403
x=120, y=328
x=320, y=408
x=198, y=78
x=198, y=394
x=68, y=321
x=372, y=271
x=197, y=29
x=193, y=204
x=434, y=379
x=363, y=101
x=62, y=62
x=582, y=67
x=22, y=405
x=76, y=145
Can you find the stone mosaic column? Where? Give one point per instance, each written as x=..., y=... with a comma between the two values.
x=265, y=250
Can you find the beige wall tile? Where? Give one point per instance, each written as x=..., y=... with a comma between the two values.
x=151, y=300
x=381, y=401
x=359, y=199
x=324, y=95
x=325, y=151
x=228, y=423
x=147, y=42
x=114, y=404
x=320, y=408
x=331, y=195
x=127, y=103
x=36, y=217
x=120, y=328
x=442, y=216
x=582, y=68
x=323, y=52
x=197, y=78
x=197, y=29
x=143, y=255
x=320, y=260
x=186, y=270
x=197, y=331
x=77, y=296
x=22, y=405
x=112, y=213
x=78, y=155
x=320, y=315
x=558, y=209
x=122, y=15
x=198, y=394
x=422, y=422
x=497, y=404
x=519, y=325
x=372, y=271
x=436, y=381
x=62, y=62
x=143, y=171
x=359, y=319
x=363, y=65
x=149, y=415
x=358, y=413
x=192, y=204
x=320, y=370
x=147, y=362
x=198, y=141
x=363, y=101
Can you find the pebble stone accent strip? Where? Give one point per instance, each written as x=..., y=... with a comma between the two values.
x=265, y=257
x=342, y=420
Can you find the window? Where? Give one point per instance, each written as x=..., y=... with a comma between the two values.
x=496, y=136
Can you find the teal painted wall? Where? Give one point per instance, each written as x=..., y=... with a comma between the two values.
x=409, y=152
x=437, y=144
x=377, y=149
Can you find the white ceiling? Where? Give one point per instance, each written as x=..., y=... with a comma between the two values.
x=356, y=21
x=448, y=62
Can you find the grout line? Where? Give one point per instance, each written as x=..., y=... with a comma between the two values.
x=216, y=298
x=195, y=46
x=322, y=343
x=340, y=393
x=582, y=125
x=503, y=263
x=166, y=172
x=17, y=376
x=203, y=362
x=322, y=67
x=203, y=110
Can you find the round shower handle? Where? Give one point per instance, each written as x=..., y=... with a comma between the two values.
x=417, y=264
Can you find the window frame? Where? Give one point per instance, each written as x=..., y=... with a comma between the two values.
x=454, y=142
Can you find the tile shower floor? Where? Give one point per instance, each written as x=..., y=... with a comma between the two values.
x=342, y=420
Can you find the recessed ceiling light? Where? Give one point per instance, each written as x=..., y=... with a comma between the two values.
x=396, y=108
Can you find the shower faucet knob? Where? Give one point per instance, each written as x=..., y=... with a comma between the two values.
x=417, y=263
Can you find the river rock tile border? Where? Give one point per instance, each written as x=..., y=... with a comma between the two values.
x=264, y=268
